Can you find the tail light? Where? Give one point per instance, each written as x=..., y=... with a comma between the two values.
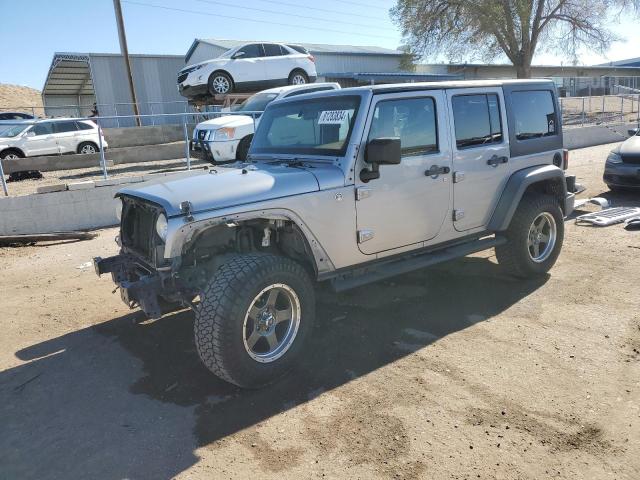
x=565, y=158
x=312, y=58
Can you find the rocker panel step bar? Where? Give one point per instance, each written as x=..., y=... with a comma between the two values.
x=384, y=270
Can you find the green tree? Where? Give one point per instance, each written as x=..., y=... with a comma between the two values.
x=485, y=29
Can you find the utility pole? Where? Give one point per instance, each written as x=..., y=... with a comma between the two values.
x=125, y=53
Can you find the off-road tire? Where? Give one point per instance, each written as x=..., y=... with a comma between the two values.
x=88, y=144
x=513, y=256
x=212, y=80
x=218, y=326
x=298, y=73
x=243, y=148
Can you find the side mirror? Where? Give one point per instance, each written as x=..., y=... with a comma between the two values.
x=383, y=151
x=237, y=55
x=380, y=151
x=632, y=131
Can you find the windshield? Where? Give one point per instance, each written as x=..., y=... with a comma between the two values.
x=321, y=126
x=228, y=53
x=257, y=102
x=8, y=130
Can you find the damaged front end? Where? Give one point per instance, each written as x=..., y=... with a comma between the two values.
x=140, y=271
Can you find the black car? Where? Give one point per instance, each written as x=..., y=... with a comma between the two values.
x=16, y=116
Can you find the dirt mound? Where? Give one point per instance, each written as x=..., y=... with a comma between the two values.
x=18, y=97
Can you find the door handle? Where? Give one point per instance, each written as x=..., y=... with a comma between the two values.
x=496, y=160
x=436, y=170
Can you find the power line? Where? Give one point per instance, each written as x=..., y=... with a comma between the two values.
x=183, y=10
x=214, y=2
x=327, y=10
x=367, y=5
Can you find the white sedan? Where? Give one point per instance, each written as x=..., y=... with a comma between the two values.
x=228, y=138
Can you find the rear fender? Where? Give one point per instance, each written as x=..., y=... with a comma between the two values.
x=547, y=179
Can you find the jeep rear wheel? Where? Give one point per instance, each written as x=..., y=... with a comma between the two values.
x=534, y=237
x=253, y=318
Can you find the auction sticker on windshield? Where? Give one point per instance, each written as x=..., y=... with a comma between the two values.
x=333, y=117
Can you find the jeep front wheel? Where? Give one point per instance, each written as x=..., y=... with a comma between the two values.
x=534, y=237
x=253, y=318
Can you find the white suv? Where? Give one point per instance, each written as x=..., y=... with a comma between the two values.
x=250, y=67
x=49, y=137
x=228, y=138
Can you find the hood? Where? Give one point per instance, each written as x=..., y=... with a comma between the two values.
x=631, y=146
x=229, y=121
x=226, y=188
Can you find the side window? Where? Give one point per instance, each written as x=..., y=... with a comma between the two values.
x=64, y=127
x=477, y=120
x=411, y=119
x=272, y=50
x=83, y=126
x=253, y=50
x=534, y=114
x=42, y=129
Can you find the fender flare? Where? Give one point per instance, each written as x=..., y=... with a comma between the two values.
x=517, y=185
x=185, y=233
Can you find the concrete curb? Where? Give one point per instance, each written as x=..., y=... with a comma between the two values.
x=79, y=206
x=116, y=156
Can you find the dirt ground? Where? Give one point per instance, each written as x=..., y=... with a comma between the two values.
x=456, y=372
x=21, y=98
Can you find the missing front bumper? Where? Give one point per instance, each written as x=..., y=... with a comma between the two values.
x=138, y=286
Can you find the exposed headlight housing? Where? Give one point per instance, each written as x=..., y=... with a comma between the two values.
x=223, y=134
x=614, y=158
x=119, y=209
x=162, y=226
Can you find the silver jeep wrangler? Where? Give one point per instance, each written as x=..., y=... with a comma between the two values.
x=347, y=187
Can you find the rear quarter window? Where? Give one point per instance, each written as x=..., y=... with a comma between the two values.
x=534, y=114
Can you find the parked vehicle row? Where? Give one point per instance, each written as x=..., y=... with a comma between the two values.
x=30, y=138
x=228, y=137
x=249, y=67
x=346, y=187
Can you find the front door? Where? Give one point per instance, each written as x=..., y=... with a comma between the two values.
x=408, y=204
x=40, y=140
x=480, y=154
x=250, y=66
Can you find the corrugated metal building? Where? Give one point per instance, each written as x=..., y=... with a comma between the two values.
x=572, y=80
x=333, y=62
x=78, y=80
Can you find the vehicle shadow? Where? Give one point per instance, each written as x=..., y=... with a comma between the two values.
x=130, y=399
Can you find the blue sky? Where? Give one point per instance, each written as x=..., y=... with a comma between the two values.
x=38, y=28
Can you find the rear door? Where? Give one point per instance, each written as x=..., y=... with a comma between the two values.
x=480, y=153
x=67, y=136
x=42, y=141
x=407, y=205
x=277, y=64
x=250, y=66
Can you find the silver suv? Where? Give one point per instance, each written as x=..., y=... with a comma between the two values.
x=346, y=187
